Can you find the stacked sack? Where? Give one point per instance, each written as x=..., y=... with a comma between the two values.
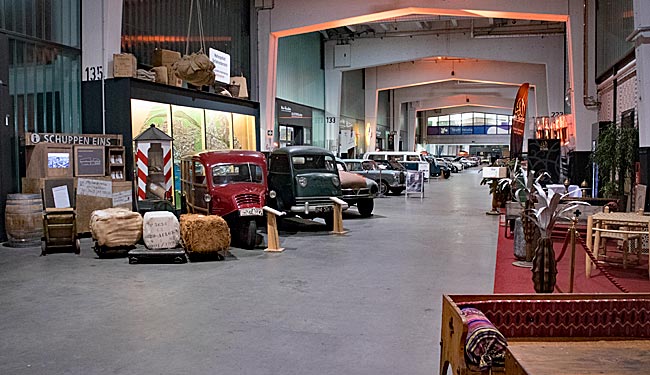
x=115, y=227
x=161, y=230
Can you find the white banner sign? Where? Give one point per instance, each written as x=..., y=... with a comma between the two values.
x=221, y=62
x=122, y=197
x=95, y=188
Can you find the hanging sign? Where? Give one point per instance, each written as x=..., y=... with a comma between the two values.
x=221, y=61
x=519, y=121
x=32, y=139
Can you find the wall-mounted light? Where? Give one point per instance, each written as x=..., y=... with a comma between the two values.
x=567, y=96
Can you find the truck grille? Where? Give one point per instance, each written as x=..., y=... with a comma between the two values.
x=246, y=199
x=315, y=201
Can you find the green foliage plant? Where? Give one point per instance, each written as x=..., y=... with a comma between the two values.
x=616, y=151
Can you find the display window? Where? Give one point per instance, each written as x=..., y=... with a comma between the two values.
x=144, y=113
x=188, y=130
x=218, y=130
x=243, y=132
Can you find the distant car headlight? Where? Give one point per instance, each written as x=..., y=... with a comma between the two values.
x=272, y=194
x=336, y=181
x=302, y=181
x=207, y=198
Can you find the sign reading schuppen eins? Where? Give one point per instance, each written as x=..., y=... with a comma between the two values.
x=32, y=139
x=519, y=121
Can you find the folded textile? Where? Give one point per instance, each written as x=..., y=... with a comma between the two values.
x=485, y=346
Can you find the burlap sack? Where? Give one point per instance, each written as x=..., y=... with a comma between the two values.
x=196, y=69
x=115, y=227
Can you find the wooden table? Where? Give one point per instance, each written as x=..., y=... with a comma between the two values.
x=620, y=357
x=636, y=224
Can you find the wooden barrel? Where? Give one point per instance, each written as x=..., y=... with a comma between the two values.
x=24, y=220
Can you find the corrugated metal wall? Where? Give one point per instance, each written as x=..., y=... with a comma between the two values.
x=150, y=24
x=615, y=21
x=300, y=75
x=353, y=95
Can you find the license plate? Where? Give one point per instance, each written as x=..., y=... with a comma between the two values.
x=255, y=211
x=323, y=208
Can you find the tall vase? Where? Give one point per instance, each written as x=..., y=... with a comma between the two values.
x=531, y=231
x=544, y=266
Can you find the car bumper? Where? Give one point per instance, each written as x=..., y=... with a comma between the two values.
x=314, y=208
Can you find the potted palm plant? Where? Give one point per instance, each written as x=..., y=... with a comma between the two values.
x=521, y=183
x=544, y=264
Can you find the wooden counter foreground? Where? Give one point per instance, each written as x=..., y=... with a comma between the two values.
x=578, y=357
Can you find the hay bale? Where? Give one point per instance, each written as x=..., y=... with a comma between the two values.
x=204, y=234
x=160, y=230
x=115, y=227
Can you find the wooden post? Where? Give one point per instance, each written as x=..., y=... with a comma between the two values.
x=338, y=215
x=574, y=220
x=273, y=240
x=590, y=226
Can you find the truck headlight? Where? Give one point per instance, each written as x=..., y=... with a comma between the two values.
x=272, y=194
x=336, y=181
x=302, y=181
x=207, y=198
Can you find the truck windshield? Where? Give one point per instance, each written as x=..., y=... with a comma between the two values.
x=230, y=173
x=303, y=162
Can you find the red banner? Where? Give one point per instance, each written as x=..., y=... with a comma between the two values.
x=519, y=121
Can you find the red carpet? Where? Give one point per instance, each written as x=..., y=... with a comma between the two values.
x=512, y=279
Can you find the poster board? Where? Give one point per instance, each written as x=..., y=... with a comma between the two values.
x=415, y=183
x=89, y=161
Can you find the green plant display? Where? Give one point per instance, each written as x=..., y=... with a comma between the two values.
x=616, y=151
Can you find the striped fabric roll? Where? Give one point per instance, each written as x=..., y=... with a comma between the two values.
x=485, y=346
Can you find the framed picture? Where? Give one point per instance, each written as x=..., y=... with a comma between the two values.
x=89, y=161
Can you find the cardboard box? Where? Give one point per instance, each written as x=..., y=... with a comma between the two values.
x=124, y=65
x=495, y=172
x=163, y=57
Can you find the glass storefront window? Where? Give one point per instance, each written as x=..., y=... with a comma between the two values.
x=467, y=119
x=455, y=119
x=479, y=118
x=469, y=123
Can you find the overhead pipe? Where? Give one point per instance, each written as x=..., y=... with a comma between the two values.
x=587, y=100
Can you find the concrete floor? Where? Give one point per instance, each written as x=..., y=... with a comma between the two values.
x=364, y=303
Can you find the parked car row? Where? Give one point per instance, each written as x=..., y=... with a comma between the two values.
x=297, y=180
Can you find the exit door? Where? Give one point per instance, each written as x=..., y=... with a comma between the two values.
x=8, y=180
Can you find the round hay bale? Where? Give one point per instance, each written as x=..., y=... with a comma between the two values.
x=204, y=234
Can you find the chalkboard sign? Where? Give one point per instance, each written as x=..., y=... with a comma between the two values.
x=89, y=161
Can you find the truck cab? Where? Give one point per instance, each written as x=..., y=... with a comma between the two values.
x=228, y=183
